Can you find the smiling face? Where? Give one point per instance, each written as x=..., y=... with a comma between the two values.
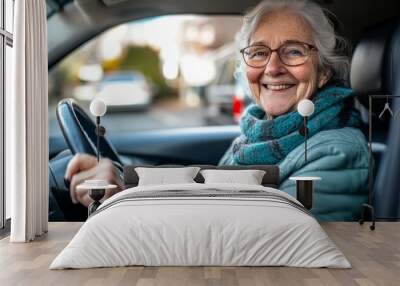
x=276, y=87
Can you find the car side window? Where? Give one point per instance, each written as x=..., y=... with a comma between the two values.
x=157, y=73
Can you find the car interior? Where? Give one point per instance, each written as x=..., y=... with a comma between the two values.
x=373, y=28
x=207, y=156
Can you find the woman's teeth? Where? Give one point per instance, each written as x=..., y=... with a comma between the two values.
x=278, y=87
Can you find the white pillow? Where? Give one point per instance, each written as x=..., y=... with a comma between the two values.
x=163, y=176
x=249, y=177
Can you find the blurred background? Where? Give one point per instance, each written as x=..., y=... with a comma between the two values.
x=162, y=72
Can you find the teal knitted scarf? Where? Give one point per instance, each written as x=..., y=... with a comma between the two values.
x=267, y=142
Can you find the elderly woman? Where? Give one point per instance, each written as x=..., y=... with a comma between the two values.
x=290, y=52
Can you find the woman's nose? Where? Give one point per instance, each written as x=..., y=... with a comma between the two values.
x=274, y=66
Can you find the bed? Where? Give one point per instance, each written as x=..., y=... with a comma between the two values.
x=201, y=224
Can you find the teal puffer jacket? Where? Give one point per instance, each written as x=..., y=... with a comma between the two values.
x=340, y=158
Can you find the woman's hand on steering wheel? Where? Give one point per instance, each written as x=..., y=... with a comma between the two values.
x=85, y=167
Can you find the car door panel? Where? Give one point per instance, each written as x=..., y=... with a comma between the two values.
x=200, y=145
x=203, y=145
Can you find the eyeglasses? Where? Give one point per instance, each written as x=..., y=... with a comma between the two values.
x=290, y=53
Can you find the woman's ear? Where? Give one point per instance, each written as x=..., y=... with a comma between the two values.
x=324, y=76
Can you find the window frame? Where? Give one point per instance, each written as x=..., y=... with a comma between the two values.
x=6, y=39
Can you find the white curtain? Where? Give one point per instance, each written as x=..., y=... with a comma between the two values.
x=26, y=123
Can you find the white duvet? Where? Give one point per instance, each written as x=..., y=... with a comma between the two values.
x=183, y=231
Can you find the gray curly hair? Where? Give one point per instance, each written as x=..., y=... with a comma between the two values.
x=333, y=49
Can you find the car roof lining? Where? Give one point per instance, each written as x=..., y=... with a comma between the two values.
x=81, y=20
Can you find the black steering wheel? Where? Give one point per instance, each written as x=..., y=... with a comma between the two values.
x=79, y=131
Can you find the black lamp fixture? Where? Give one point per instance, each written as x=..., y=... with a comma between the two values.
x=305, y=185
x=98, y=108
x=97, y=188
x=305, y=108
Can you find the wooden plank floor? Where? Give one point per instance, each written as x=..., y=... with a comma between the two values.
x=374, y=255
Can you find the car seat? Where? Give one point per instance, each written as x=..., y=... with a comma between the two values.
x=375, y=70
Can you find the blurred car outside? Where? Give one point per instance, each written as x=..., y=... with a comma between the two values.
x=125, y=90
x=225, y=97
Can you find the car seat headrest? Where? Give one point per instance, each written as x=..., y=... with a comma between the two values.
x=375, y=64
